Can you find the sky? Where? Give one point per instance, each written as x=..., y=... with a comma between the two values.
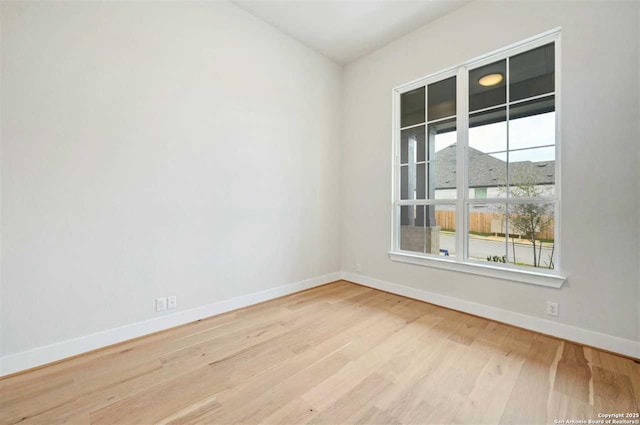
x=528, y=132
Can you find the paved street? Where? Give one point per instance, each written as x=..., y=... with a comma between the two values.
x=480, y=248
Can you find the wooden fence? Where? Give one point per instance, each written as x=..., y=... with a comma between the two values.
x=481, y=223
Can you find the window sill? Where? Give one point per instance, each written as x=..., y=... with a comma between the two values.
x=551, y=280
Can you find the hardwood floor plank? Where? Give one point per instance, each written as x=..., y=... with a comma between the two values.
x=497, y=379
x=573, y=373
x=372, y=416
x=105, y=390
x=171, y=396
x=613, y=392
x=35, y=398
x=295, y=412
x=435, y=408
x=562, y=407
x=530, y=396
x=355, y=400
x=449, y=380
x=192, y=412
x=388, y=341
x=163, y=401
x=261, y=395
x=468, y=333
x=432, y=352
x=620, y=365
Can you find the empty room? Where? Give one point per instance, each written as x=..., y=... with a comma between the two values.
x=315, y=212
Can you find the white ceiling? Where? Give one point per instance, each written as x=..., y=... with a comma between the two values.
x=348, y=29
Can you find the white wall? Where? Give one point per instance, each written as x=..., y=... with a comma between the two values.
x=600, y=148
x=160, y=148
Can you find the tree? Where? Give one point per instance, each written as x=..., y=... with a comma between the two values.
x=530, y=220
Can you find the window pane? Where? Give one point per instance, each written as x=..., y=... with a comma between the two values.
x=412, y=107
x=412, y=148
x=442, y=135
x=532, y=241
x=528, y=108
x=443, y=234
x=487, y=233
x=447, y=193
x=488, y=131
x=420, y=181
x=413, y=181
x=441, y=97
x=442, y=181
x=532, y=124
x=412, y=232
x=487, y=86
x=413, y=155
x=428, y=229
x=404, y=182
x=532, y=73
x=488, y=172
x=441, y=168
x=532, y=173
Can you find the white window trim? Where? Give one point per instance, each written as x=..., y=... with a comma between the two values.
x=549, y=278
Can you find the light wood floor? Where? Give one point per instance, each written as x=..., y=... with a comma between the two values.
x=338, y=354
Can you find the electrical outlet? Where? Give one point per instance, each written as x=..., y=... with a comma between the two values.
x=552, y=308
x=358, y=267
x=161, y=304
x=172, y=302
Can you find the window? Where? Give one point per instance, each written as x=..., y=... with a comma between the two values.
x=476, y=165
x=480, y=192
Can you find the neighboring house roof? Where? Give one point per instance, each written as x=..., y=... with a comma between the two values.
x=489, y=171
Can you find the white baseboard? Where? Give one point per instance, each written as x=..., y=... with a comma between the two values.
x=50, y=353
x=571, y=333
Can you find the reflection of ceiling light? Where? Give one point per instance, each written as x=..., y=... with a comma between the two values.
x=490, y=80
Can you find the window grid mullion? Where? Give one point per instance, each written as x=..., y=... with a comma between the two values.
x=426, y=145
x=462, y=128
x=395, y=215
x=505, y=104
x=557, y=174
x=512, y=201
x=507, y=116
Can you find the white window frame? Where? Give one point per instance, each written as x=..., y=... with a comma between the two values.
x=550, y=278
